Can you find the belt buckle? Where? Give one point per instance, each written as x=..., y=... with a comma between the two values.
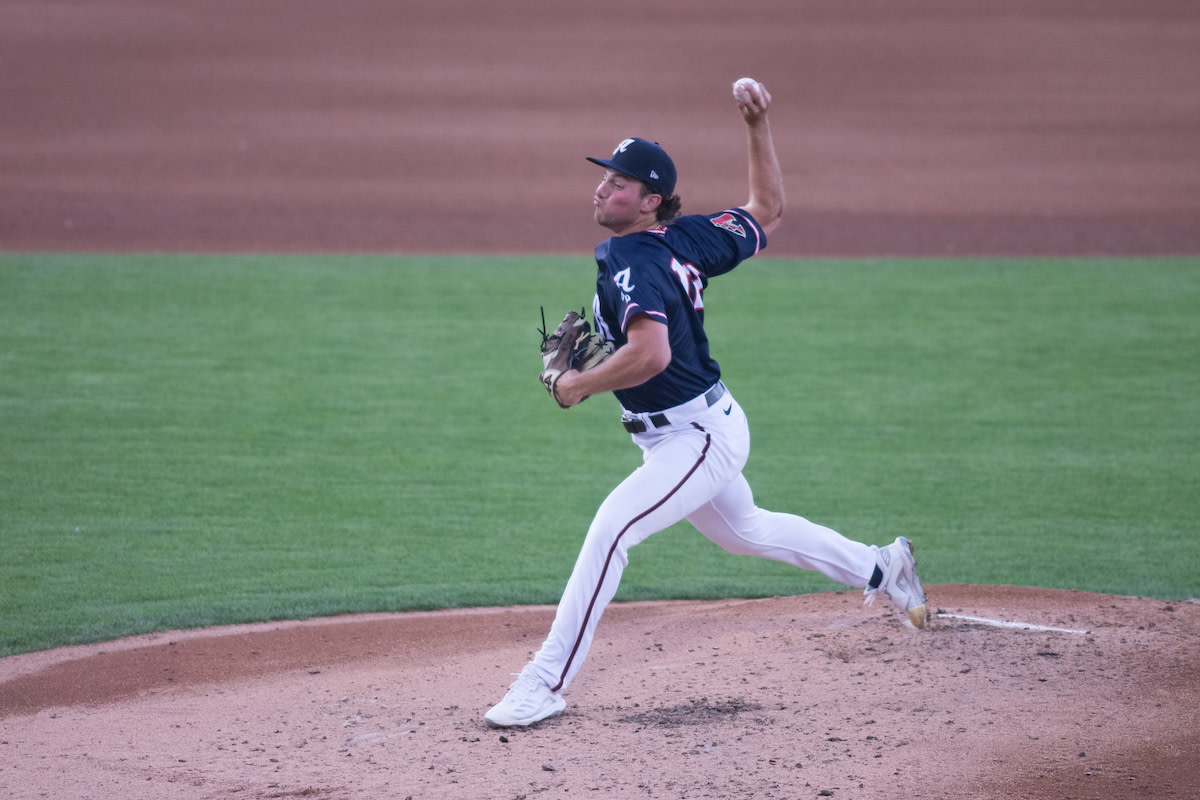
x=632, y=424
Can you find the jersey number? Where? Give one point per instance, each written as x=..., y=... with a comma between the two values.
x=693, y=284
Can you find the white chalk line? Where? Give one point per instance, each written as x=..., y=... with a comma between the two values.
x=999, y=623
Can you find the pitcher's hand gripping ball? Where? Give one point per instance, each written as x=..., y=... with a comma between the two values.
x=752, y=98
x=573, y=345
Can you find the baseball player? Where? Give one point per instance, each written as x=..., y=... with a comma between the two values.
x=649, y=303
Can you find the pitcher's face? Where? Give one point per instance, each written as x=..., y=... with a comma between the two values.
x=620, y=205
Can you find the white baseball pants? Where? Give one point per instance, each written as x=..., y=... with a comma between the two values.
x=690, y=471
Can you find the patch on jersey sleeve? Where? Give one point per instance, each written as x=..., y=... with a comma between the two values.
x=729, y=222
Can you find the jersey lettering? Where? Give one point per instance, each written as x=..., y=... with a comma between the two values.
x=621, y=279
x=693, y=285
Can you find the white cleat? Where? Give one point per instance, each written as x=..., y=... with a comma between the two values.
x=900, y=583
x=529, y=700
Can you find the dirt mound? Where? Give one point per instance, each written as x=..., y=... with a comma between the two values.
x=1009, y=693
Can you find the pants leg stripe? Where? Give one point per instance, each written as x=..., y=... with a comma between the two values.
x=613, y=549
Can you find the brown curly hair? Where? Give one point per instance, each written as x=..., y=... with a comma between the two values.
x=668, y=209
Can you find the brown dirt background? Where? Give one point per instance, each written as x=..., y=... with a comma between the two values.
x=905, y=128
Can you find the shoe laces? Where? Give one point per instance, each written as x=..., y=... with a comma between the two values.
x=526, y=685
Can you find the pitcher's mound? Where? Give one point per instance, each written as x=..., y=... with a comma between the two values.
x=1008, y=693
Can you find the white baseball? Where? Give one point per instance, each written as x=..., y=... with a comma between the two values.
x=741, y=89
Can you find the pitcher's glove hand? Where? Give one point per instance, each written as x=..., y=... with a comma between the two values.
x=573, y=345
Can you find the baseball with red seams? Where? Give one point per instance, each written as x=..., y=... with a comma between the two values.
x=741, y=87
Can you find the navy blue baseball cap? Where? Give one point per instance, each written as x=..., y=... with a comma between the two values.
x=644, y=160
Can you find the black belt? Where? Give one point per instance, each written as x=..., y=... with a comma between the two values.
x=659, y=419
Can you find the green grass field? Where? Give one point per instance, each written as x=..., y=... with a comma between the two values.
x=189, y=440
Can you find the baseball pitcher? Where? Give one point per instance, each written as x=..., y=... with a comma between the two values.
x=649, y=348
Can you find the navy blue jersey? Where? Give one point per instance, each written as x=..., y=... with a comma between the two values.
x=663, y=273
